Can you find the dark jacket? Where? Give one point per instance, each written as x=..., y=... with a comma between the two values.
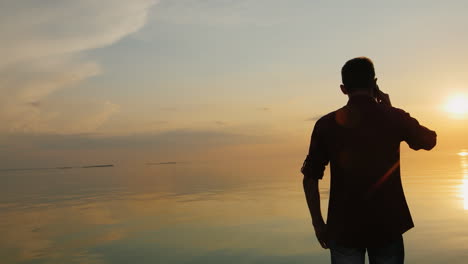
x=361, y=141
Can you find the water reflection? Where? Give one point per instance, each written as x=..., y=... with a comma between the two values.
x=464, y=187
x=233, y=212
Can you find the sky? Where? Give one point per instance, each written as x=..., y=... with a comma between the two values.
x=153, y=81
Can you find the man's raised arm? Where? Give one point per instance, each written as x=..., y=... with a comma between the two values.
x=416, y=135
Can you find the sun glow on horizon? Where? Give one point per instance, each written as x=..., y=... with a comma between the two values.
x=457, y=105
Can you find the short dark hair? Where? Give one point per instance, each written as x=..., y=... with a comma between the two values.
x=357, y=73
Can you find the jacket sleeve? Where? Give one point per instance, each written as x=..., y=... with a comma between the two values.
x=416, y=135
x=317, y=158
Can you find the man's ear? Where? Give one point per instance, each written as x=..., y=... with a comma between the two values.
x=343, y=89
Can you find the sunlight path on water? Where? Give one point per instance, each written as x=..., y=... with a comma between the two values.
x=464, y=187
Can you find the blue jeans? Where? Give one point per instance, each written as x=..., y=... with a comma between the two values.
x=392, y=253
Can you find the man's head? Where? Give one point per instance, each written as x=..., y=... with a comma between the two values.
x=358, y=75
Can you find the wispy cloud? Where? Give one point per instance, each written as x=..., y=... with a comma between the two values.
x=41, y=51
x=168, y=108
x=263, y=109
x=220, y=123
x=176, y=139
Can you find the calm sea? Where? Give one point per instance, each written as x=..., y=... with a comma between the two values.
x=244, y=211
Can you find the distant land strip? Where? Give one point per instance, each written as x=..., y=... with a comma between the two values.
x=164, y=163
x=27, y=169
x=99, y=166
x=59, y=168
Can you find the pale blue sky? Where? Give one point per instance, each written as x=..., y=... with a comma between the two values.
x=257, y=53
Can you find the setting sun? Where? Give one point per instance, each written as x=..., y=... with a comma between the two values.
x=457, y=105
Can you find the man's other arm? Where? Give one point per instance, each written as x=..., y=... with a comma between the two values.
x=312, y=194
x=313, y=168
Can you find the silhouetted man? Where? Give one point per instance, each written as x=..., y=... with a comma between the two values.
x=367, y=207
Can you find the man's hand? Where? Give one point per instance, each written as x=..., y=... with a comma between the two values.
x=321, y=233
x=382, y=97
x=313, y=201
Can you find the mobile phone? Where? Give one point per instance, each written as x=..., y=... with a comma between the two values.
x=376, y=91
